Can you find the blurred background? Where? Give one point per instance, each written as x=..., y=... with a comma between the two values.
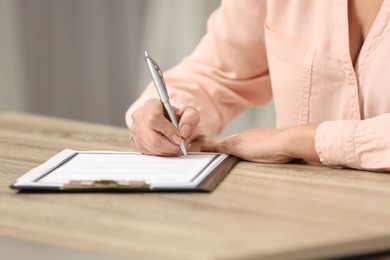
x=83, y=59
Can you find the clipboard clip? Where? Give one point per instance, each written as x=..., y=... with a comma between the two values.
x=106, y=184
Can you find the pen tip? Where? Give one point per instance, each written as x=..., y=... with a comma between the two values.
x=146, y=54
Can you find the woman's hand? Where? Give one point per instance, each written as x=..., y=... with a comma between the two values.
x=269, y=145
x=154, y=134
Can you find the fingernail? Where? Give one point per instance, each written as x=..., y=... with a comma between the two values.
x=185, y=131
x=176, y=139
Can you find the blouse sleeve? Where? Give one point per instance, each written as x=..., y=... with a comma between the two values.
x=359, y=144
x=226, y=73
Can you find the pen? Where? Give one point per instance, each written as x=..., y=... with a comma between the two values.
x=159, y=83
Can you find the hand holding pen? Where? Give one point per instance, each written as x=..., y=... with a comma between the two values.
x=159, y=82
x=157, y=127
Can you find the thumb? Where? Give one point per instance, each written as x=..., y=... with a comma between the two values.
x=189, y=120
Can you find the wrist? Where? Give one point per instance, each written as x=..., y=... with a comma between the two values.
x=301, y=142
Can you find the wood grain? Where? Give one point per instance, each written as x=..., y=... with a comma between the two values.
x=259, y=210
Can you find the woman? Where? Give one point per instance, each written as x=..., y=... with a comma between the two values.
x=325, y=63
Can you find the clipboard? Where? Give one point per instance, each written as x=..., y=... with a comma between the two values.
x=108, y=171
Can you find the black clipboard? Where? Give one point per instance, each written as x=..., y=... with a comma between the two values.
x=213, y=170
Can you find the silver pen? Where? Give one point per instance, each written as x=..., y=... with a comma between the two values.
x=159, y=83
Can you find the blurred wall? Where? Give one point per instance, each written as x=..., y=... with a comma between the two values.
x=84, y=59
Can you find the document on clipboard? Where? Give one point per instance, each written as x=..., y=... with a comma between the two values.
x=72, y=170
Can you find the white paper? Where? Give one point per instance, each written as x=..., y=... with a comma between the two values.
x=130, y=167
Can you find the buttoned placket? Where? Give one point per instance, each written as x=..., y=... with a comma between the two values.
x=353, y=71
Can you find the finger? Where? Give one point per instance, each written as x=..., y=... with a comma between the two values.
x=213, y=147
x=141, y=148
x=176, y=110
x=132, y=143
x=151, y=142
x=135, y=139
x=157, y=121
x=227, y=145
x=188, y=121
x=146, y=138
x=167, y=129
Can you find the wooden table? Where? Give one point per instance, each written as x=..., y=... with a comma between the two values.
x=260, y=211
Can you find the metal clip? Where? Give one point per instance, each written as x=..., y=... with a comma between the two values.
x=106, y=184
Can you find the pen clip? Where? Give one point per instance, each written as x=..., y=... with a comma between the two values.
x=159, y=72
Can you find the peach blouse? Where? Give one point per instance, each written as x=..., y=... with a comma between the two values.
x=296, y=52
